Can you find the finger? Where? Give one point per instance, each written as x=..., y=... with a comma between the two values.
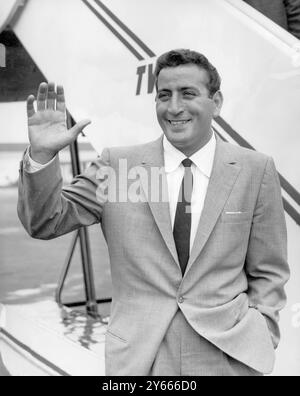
x=42, y=96
x=51, y=97
x=77, y=129
x=30, y=106
x=60, y=99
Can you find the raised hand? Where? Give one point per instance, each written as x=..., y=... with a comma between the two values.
x=47, y=127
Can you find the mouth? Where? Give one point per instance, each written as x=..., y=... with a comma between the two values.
x=177, y=123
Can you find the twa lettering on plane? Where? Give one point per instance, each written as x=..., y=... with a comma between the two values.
x=145, y=72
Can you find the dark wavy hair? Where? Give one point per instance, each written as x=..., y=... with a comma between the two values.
x=185, y=57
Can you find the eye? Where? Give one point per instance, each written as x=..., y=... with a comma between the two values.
x=189, y=94
x=163, y=96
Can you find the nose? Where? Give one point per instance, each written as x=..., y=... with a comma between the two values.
x=175, y=105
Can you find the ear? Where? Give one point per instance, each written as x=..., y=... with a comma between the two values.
x=218, y=103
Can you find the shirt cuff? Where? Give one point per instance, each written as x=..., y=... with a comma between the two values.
x=32, y=166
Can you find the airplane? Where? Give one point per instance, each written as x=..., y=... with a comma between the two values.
x=104, y=53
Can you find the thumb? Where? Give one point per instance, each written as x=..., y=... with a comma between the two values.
x=77, y=128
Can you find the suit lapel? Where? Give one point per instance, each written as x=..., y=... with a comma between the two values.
x=154, y=158
x=224, y=175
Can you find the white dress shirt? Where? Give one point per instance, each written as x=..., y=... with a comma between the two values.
x=201, y=168
x=32, y=166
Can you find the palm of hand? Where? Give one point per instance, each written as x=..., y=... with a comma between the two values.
x=48, y=133
x=48, y=129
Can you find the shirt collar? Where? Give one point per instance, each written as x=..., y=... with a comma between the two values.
x=203, y=158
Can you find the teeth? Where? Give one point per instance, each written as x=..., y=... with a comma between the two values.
x=178, y=122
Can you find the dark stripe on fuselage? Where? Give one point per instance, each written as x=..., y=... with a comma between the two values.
x=34, y=354
x=114, y=31
x=291, y=211
x=288, y=188
x=134, y=37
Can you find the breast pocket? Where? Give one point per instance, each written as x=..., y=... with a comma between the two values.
x=236, y=217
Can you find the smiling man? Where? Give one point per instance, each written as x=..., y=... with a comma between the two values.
x=188, y=98
x=198, y=281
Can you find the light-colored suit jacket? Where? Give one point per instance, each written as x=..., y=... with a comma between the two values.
x=232, y=290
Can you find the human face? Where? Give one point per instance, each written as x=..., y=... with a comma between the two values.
x=183, y=107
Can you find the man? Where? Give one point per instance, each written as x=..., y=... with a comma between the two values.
x=198, y=277
x=286, y=13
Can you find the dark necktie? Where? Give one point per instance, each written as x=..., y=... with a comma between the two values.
x=183, y=217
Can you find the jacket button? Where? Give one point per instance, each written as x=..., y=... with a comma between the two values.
x=180, y=300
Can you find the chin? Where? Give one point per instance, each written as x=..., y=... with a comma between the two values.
x=179, y=142
x=178, y=136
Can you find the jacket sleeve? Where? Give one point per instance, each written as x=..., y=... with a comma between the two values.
x=48, y=210
x=293, y=16
x=266, y=262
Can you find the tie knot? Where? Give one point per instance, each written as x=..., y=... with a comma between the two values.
x=187, y=163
